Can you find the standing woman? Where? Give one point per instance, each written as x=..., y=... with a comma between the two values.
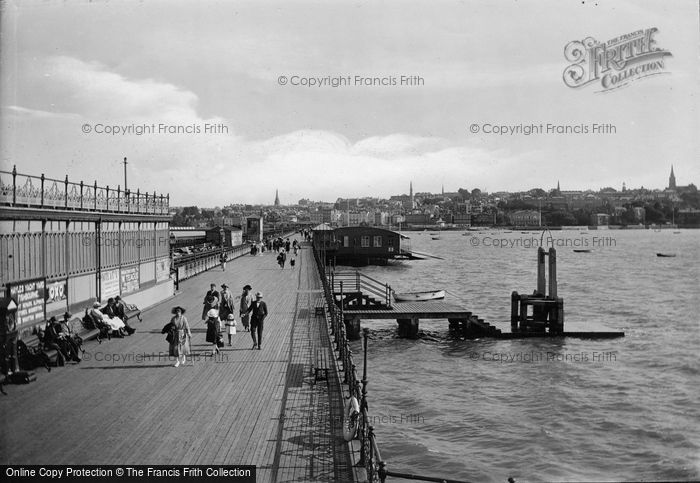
x=181, y=335
x=246, y=300
x=214, y=330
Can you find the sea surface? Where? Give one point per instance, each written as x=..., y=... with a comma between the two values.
x=545, y=410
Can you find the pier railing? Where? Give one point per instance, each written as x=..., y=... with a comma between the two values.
x=370, y=457
x=188, y=266
x=355, y=281
x=27, y=191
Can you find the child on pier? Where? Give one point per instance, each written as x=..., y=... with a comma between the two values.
x=230, y=327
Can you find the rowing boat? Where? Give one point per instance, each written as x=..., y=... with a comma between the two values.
x=419, y=296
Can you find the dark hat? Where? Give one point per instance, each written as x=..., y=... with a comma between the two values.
x=52, y=319
x=247, y=287
x=67, y=315
x=223, y=285
x=175, y=309
x=117, y=297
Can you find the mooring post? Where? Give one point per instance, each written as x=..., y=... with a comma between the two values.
x=560, y=315
x=541, y=284
x=552, y=273
x=523, y=315
x=514, y=299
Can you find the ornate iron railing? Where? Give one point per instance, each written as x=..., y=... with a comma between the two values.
x=370, y=457
x=23, y=190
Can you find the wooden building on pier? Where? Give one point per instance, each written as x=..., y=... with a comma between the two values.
x=361, y=245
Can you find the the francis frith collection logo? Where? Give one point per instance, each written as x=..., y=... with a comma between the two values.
x=614, y=63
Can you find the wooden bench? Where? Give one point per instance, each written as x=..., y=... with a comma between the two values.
x=131, y=311
x=320, y=307
x=320, y=364
x=34, y=345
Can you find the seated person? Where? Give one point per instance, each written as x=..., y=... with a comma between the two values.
x=119, y=310
x=65, y=331
x=119, y=307
x=112, y=322
x=50, y=340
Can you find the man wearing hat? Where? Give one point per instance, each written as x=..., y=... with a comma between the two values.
x=211, y=301
x=258, y=310
x=64, y=330
x=246, y=301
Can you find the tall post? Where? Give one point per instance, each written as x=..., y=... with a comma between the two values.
x=14, y=184
x=42, y=190
x=125, y=185
x=541, y=283
x=514, y=300
x=552, y=273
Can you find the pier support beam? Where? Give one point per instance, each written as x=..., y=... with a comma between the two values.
x=408, y=327
x=352, y=328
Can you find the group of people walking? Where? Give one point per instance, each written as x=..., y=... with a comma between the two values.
x=218, y=312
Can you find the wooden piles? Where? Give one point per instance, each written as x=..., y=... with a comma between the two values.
x=540, y=312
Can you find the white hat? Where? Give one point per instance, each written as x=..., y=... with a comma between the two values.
x=213, y=313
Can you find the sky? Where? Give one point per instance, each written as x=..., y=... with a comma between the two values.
x=86, y=83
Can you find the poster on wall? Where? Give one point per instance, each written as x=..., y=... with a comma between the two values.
x=56, y=291
x=110, y=284
x=162, y=269
x=31, y=301
x=130, y=279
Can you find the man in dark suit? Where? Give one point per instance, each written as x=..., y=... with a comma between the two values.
x=258, y=311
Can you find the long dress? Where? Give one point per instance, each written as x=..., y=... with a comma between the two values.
x=180, y=346
x=214, y=330
x=114, y=323
x=246, y=300
x=226, y=306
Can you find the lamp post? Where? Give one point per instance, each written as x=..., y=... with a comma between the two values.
x=222, y=234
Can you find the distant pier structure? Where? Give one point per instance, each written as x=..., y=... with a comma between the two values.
x=542, y=311
x=65, y=244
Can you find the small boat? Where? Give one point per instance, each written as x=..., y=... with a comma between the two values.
x=419, y=296
x=676, y=232
x=581, y=250
x=667, y=255
x=435, y=237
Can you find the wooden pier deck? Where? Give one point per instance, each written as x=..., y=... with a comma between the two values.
x=127, y=404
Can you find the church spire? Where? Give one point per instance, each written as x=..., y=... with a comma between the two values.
x=672, y=180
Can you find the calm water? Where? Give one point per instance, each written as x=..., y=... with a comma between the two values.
x=546, y=410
